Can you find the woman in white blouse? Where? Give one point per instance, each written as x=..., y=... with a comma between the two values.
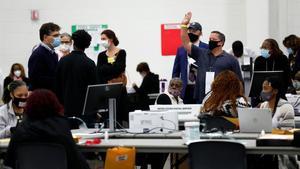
x=282, y=110
x=11, y=112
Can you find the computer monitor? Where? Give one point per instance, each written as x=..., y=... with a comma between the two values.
x=258, y=79
x=97, y=97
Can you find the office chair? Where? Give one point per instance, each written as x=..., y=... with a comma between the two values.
x=217, y=155
x=41, y=156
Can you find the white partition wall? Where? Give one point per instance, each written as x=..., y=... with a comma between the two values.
x=137, y=24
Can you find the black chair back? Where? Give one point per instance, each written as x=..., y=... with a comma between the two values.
x=41, y=156
x=217, y=155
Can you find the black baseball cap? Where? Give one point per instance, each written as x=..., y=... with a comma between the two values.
x=195, y=26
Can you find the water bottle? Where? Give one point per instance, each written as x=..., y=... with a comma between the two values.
x=192, y=131
x=162, y=85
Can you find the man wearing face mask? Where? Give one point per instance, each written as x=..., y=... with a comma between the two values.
x=65, y=46
x=210, y=61
x=150, y=84
x=183, y=65
x=43, y=60
x=172, y=95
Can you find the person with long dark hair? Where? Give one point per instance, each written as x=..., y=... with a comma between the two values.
x=111, y=63
x=274, y=97
x=17, y=72
x=292, y=43
x=273, y=94
x=272, y=59
x=11, y=113
x=45, y=122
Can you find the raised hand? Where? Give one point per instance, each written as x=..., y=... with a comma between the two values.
x=187, y=18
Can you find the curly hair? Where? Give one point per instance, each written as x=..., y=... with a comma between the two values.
x=82, y=39
x=225, y=87
x=42, y=104
x=292, y=41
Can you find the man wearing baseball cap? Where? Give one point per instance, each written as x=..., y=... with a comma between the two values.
x=184, y=67
x=210, y=62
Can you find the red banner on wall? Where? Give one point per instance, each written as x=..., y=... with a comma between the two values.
x=170, y=38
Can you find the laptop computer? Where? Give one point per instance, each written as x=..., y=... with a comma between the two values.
x=254, y=120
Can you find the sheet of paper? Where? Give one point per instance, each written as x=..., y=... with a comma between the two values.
x=209, y=78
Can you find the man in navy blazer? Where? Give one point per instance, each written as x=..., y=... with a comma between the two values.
x=43, y=60
x=182, y=65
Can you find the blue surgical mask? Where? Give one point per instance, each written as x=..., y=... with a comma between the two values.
x=265, y=53
x=290, y=51
x=296, y=84
x=56, y=42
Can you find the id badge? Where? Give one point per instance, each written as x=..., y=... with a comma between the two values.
x=209, y=78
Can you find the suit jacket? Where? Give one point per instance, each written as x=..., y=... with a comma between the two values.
x=74, y=73
x=41, y=66
x=180, y=65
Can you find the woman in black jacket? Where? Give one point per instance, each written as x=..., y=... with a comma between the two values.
x=111, y=63
x=273, y=59
x=150, y=84
x=17, y=72
x=44, y=123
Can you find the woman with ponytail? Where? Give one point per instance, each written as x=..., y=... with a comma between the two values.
x=11, y=113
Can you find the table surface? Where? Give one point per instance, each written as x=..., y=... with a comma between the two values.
x=172, y=143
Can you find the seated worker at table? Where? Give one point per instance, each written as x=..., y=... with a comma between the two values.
x=222, y=101
x=274, y=97
x=150, y=84
x=14, y=98
x=172, y=96
x=282, y=117
x=44, y=122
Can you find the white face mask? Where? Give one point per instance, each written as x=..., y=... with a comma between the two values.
x=104, y=43
x=65, y=47
x=17, y=73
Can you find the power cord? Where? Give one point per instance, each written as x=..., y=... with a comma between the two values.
x=162, y=117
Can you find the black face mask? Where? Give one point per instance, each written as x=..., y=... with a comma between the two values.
x=193, y=37
x=19, y=102
x=213, y=44
x=238, y=53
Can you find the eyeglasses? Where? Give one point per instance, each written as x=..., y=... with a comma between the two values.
x=55, y=35
x=65, y=42
x=175, y=85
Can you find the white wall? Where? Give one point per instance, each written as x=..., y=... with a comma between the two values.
x=137, y=24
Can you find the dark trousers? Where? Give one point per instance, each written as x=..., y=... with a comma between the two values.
x=189, y=95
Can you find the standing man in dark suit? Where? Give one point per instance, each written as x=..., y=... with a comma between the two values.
x=74, y=73
x=183, y=65
x=43, y=60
